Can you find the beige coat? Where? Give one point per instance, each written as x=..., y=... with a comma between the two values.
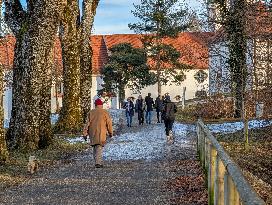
x=98, y=125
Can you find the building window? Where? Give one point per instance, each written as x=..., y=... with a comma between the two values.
x=201, y=76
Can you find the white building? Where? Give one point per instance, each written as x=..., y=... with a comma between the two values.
x=193, y=47
x=258, y=56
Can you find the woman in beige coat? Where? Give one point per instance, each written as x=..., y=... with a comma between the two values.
x=98, y=125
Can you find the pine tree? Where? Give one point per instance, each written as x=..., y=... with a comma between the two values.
x=161, y=19
x=126, y=68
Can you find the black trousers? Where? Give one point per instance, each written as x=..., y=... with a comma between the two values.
x=141, y=117
x=159, y=116
x=168, y=126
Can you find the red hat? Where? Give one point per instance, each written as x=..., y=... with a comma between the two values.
x=98, y=102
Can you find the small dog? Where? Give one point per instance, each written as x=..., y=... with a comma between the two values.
x=32, y=165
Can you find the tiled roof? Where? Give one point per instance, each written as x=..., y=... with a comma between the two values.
x=7, y=45
x=193, y=47
x=133, y=39
x=100, y=53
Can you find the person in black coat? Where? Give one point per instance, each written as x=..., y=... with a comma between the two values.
x=168, y=115
x=139, y=108
x=149, y=104
x=129, y=106
x=159, y=107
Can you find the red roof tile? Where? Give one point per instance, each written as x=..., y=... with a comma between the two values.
x=7, y=45
x=115, y=39
x=193, y=48
x=100, y=53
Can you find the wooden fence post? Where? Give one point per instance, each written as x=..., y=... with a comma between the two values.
x=211, y=174
x=219, y=185
x=231, y=194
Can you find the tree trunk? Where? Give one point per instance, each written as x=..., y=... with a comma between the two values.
x=70, y=119
x=121, y=96
x=89, y=10
x=46, y=135
x=3, y=144
x=159, y=86
x=34, y=41
x=238, y=47
x=57, y=98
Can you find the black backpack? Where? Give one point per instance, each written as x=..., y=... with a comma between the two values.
x=169, y=111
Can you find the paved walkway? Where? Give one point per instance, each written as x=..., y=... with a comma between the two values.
x=140, y=168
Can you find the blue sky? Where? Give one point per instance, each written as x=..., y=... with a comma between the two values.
x=113, y=16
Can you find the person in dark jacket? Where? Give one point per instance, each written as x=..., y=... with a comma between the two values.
x=149, y=104
x=159, y=107
x=139, y=108
x=129, y=107
x=168, y=115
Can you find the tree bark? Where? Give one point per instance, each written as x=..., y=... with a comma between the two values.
x=70, y=119
x=89, y=11
x=46, y=135
x=34, y=42
x=3, y=144
x=238, y=47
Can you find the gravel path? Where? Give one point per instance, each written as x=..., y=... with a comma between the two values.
x=140, y=168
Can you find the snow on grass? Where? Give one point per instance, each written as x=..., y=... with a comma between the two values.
x=231, y=127
x=77, y=140
x=224, y=128
x=183, y=129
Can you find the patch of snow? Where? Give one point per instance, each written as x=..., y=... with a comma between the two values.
x=117, y=116
x=6, y=123
x=182, y=129
x=77, y=140
x=231, y=127
x=144, y=145
x=54, y=118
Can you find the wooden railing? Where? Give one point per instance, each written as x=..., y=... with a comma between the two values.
x=226, y=183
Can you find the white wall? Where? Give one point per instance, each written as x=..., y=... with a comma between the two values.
x=190, y=83
x=7, y=105
x=97, y=82
x=218, y=66
x=218, y=72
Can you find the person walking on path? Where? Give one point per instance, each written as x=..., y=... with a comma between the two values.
x=159, y=107
x=129, y=107
x=98, y=125
x=139, y=108
x=149, y=103
x=168, y=115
